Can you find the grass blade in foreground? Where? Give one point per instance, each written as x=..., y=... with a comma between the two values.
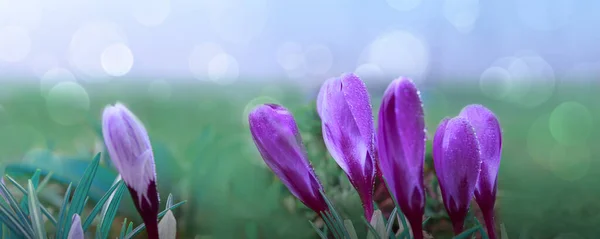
x=99, y=205
x=62, y=218
x=111, y=212
x=81, y=192
x=34, y=210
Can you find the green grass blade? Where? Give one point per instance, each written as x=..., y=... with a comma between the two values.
x=25, y=193
x=62, y=214
x=129, y=229
x=329, y=224
x=372, y=232
x=21, y=217
x=123, y=229
x=338, y=219
x=44, y=182
x=390, y=224
x=12, y=223
x=139, y=228
x=398, y=212
x=113, y=207
x=170, y=200
x=350, y=228
x=24, y=201
x=36, y=215
x=80, y=194
x=99, y=205
x=319, y=232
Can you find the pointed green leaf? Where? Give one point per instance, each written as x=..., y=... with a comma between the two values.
x=44, y=182
x=99, y=205
x=111, y=212
x=169, y=200
x=24, y=201
x=129, y=229
x=62, y=214
x=123, y=229
x=80, y=194
x=350, y=228
x=331, y=225
x=336, y=216
x=319, y=232
x=25, y=194
x=167, y=227
x=12, y=223
x=36, y=215
x=503, y=233
x=391, y=222
x=20, y=217
x=372, y=233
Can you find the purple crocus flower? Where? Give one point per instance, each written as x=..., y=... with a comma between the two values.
x=457, y=165
x=76, y=231
x=489, y=135
x=129, y=147
x=348, y=131
x=401, y=146
x=278, y=140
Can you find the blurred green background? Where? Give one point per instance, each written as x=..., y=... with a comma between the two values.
x=548, y=184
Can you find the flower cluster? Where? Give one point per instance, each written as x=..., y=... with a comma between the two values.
x=466, y=150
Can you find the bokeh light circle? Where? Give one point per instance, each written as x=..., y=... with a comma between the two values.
x=399, y=53
x=201, y=56
x=318, y=59
x=54, y=76
x=570, y=162
x=151, y=13
x=495, y=82
x=369, y=72
x=403, y=5
x=223, y=69
x=545, y=15
x=290, y=56
x=117, y=59
x=88, y=45
x=42, y=63
x=68, y=103
x=540, y=140
x=160, y=90
x=462, y=14
x=571, y=123
x=237, y=21
x=15, y=44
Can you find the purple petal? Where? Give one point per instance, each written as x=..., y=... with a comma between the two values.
x=322, y=93
x=348, y=132
x=460, y=164
x=276, y=136
x=437, y=150
x=487, y=129
x=76, y=231
x=401, y=147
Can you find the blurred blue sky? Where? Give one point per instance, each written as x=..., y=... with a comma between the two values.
x=227, y=40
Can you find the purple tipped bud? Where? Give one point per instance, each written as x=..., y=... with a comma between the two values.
x=348, y=131
x=489, y=135
x=76, y=231
x=401, y=146
x=129, y=147
x=277, y=138
x=457, y=165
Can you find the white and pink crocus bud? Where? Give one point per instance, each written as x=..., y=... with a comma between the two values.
x=129, y=148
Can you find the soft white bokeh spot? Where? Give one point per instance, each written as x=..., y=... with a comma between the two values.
x=237, y=21
x=223, y=69
x=318, y=59
x=22, y=13
x=151, y=12
x=495, y=82
x=117, y=59
x=399, y=53
x=68, y=103
x=160, y=90
x=201, y=56
x=54, y=76
x=462, y=14
x=404, y=5
x=15, y=44
x=88, y=45
x=545, y=15
x=369, y=71
x=290, y=55
x=42, y=63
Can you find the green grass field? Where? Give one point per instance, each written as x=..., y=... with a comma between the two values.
x=549, y=177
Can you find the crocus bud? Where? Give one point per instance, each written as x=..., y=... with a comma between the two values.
x=278, y=140
x=489, y=135
x=76, y=231
x=348, y=132
x=457, y=165
x=129, y=147
x=401, y=146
